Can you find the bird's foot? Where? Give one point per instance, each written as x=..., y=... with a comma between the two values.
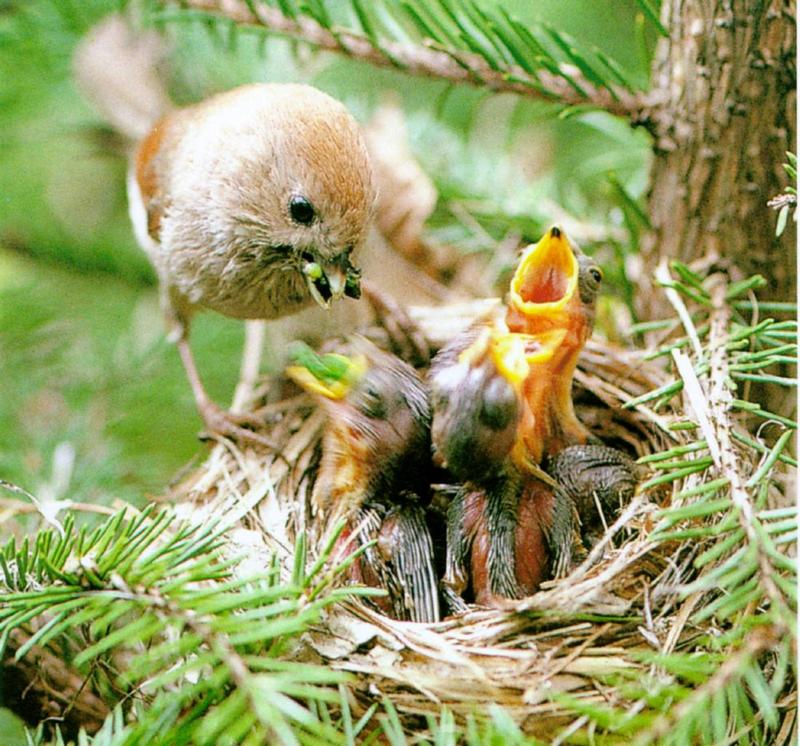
x=234, y=425
x=405, y=338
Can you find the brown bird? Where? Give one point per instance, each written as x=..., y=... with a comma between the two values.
x=253, y=203
x=373, y=471
x=502, y=409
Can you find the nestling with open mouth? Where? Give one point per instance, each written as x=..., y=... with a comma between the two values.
x=504, y=423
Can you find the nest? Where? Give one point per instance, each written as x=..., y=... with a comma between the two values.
x=566, y=638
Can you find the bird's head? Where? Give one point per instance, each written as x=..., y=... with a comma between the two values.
x=279, y=197
x=553, y=293
x=323, y=195
x=479, y=397
x=378, y=412
x=555, y=286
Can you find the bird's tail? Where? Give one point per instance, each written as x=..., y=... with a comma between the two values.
x=118, y=69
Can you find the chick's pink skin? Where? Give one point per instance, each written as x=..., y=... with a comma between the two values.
x=532, y=553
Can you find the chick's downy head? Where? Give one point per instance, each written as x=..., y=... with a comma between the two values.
x=377, y=435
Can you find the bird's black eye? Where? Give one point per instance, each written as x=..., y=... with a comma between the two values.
x=372, y=404
x=301, y=210
x=596, y=273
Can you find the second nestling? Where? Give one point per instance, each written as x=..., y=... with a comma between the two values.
x=374, y=470
x=505, y=425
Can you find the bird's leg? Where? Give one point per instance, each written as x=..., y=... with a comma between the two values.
x=217, y=420
x=405, y=337
x=254, y=332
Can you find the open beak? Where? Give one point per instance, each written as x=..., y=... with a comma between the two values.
x=546, y=279
x=329, y=282
x=515, y=354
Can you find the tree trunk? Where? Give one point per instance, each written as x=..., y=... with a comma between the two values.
x=726, y=84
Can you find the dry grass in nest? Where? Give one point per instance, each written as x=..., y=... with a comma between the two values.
x=621, y=601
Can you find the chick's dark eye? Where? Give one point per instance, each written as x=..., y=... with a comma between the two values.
x=301, y=210
x=373, y=405
x=596, y=273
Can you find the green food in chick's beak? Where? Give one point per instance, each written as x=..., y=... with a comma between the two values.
x=330, y=374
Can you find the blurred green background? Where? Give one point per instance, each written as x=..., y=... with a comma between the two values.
x=93, y=402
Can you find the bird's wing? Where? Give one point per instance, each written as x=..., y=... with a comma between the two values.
x=596, y=478
x=412, y=559
x=562, y=534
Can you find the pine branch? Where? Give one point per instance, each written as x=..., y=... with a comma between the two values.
x=149, y=612
x=720, y=404
x=739, y=573
x=543, y=79
x=730, y=673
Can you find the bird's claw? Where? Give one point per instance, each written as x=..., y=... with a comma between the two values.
x=405, y=338
x=233, y=425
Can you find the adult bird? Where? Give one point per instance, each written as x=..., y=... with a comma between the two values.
x=253, y=203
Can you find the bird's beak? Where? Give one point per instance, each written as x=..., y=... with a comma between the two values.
x=511, y=353
x=515, y=354
x=330, y=376
x=547, y=277
x=330, y=281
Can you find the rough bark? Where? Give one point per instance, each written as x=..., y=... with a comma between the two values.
x=726, y=85
x=41, y=688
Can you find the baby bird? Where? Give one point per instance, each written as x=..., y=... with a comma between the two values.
x=503, y=408
x=373, y=472
x=519, y=361
x=554, y=289
x=253, y=203
x=509, y=526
